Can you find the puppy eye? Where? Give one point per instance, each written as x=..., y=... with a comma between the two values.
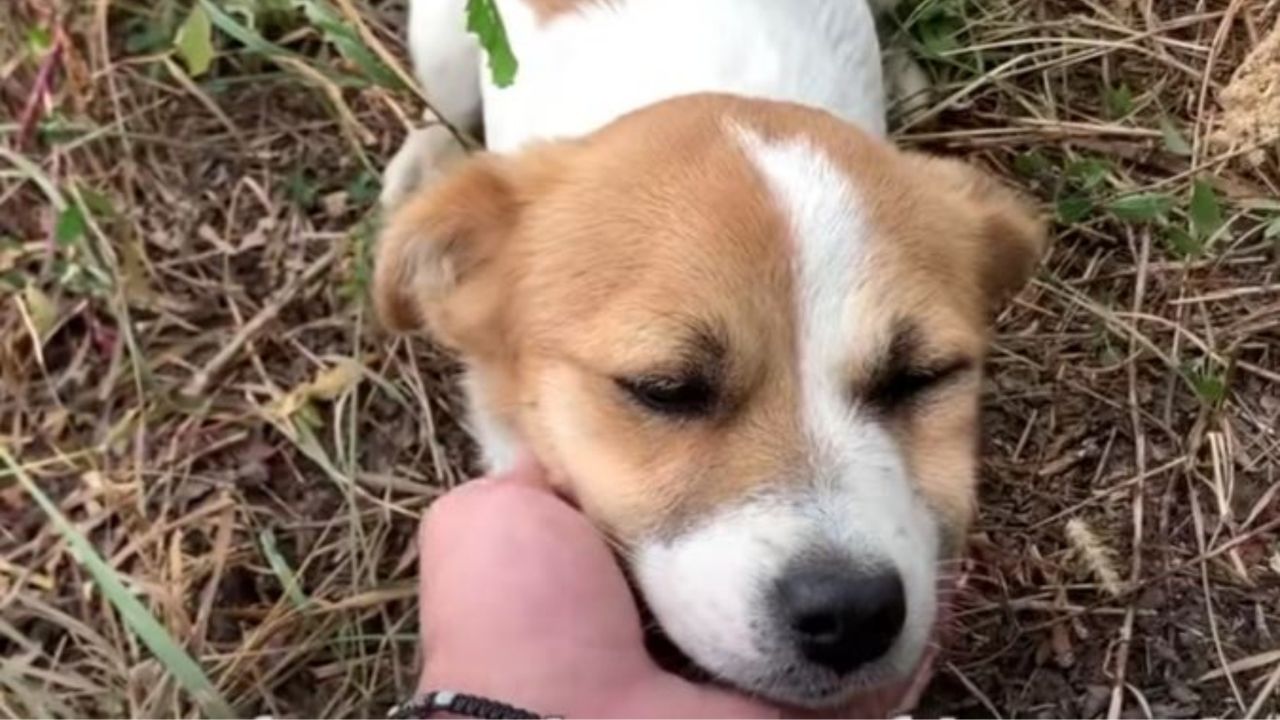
x=906, y=384
x=677, y=397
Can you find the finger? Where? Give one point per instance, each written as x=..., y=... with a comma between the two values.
x=666, y=695
x=511, y=575
x=525, y=469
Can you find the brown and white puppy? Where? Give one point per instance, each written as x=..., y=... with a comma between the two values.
x=742, y=330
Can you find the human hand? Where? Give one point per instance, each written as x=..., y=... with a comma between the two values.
x=521, y=601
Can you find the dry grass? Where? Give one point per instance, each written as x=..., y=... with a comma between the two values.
x=190, y=369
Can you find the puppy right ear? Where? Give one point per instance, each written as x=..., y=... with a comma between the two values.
x=438, y=264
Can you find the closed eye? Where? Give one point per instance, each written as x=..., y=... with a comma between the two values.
x=678, y=397
x=902, y=385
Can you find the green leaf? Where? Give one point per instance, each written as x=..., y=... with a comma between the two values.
x=344, y=37
x=42, y=311
x=259, y=14
x=1209, y=385
x=937, y=27
x=12, y=281
x=194, y=42
x=98, y=204
x=1073, y=209
x=39, y=40
x=1183, y=243
x=1174, y=141
x=69, y=226
x=1211, y=388
x=485, y=23
x=142, y=35
x=1119, y=101
x=1273, y=229
x=244, y=35
x=1141, y=207
x=1206, y=213
x=363, y=188
x=1031, y=164
x=1088, y=173
x=186, y=671
x=302, y=189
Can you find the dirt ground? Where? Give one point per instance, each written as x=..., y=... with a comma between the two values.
x=192, y=378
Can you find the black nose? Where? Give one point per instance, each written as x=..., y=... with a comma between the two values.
x=841, y=617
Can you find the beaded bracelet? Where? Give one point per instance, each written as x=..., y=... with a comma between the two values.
x=456, y=703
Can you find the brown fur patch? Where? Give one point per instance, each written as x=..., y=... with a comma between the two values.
x=547, y=10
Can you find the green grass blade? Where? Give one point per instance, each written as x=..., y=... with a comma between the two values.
x=254, y=42
x=338, y=31
x=184, y=669
x=280, y=566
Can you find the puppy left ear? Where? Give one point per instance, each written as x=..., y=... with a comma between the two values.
x=1013, y=234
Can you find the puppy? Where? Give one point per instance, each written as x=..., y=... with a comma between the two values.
x=739, y=328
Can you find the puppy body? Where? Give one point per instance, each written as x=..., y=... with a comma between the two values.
x=742, y=330
x=583, y=64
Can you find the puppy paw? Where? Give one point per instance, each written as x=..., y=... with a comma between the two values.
x=427, y=153
x=909, y=90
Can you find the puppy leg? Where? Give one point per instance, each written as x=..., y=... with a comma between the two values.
x=907, y=87
x=906, y=83
x=446, y=59
x=426, y=155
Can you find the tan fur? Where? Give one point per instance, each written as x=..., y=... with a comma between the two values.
x=576, y=263
x=547, y=10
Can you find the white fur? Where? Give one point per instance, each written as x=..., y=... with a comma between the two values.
x=584, y=69
x=446, y=59
x=426, y=155
x=709, y=587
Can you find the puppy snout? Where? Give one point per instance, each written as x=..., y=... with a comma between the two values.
x=840, y=616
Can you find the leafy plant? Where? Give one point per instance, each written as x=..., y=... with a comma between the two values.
x=484, y=21
x=1174, y=141
x=338, y=32
x=1208, y=380
x=1119, y=101
x=1205, y=211
x=938, y=26
x=1273, y=229
x=1077, y=187
x=1141, y=207
x=194, y=42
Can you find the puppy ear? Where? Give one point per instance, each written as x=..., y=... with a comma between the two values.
x=439, y=259
x=1013, y=235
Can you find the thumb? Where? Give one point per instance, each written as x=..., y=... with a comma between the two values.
x=666, y=695
x=524, y=469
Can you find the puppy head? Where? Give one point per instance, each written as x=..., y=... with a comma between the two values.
x=747, y=338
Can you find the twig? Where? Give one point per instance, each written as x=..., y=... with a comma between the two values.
x=269, y=311
x=1139, y=490
x=974, y=690
x=1197, y=518
x=1264, y=694
x=39, y=91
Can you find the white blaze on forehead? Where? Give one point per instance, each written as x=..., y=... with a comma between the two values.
x=851, y=453
x=830, y=232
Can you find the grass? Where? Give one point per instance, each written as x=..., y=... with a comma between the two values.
x=191, y=381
